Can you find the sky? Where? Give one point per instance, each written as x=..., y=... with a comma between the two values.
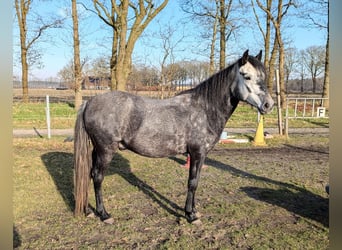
x=56, y=44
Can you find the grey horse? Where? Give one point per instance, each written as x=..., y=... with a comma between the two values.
x=190, y=122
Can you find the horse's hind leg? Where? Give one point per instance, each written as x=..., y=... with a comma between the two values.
x=101, y=159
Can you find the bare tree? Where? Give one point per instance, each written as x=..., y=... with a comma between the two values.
x=301, y=69
x=169, y=44
x=126, y=30
x=213, y=39
x=224, y=22
x=66, y=74
x=197, y=71
x=269, y=59
x=207, y=14
x=276, y=18
x=326, y=82
x=29, y=35
x=143, y=76
x=318, y=15
x=100, y=67
x=314, y=61
x=291, y=61
x=217, y=18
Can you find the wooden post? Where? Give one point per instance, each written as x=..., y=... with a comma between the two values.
x=287, y=119
x=48, y=116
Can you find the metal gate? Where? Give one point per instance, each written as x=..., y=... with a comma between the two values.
x=304, y=108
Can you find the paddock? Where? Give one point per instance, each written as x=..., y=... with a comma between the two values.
x=250, y=197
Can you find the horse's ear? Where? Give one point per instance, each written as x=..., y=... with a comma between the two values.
x=244, y=58
x=258, y=56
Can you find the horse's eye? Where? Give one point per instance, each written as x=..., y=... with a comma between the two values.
x=245, y=76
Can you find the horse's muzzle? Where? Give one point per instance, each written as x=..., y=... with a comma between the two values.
x=267, y=105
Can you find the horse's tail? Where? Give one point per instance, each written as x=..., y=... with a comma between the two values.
x=82, y=163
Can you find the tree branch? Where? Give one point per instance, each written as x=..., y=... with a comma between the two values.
x=258, y=21
x=98, y=7
x=54, y=24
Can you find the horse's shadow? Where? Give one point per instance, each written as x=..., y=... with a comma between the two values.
x=291, y=197
x=60, y=167
x=121, y=166
x=16, y=238
x=303, y=203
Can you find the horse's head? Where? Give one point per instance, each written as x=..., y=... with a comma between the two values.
x=250, y=85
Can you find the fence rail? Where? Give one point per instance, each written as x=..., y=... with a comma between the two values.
x=305, y=108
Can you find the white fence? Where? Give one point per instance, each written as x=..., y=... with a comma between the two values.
x=305, y=108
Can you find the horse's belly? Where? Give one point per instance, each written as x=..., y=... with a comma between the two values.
x=158, y=145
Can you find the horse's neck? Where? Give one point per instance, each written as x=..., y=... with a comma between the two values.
x=228, y=110
x=215, y=96
x=218, y=116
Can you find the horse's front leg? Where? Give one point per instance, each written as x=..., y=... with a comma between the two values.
x=196, y=162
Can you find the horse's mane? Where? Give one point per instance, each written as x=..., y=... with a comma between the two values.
x=215, y=89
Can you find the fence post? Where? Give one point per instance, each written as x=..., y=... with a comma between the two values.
x=287, y=119
x=47, y=109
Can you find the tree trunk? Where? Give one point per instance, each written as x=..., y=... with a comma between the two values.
x=302, y=83
x=77, y=60
x=270, y=56
x=212, y=46
x=277, y=26
x=270, y=76
x=314, y=84
x=222, y=35
x=327, y=69
x=22, y=9
x=281, y=74
x=24, y=75
x=268, y=39
x=124, y=34
x=113, y=61
x=122, y=47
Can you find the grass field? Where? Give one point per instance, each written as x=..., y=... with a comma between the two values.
x=63, y=116
x=250, y=198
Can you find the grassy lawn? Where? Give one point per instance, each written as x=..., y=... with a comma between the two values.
x=250, y=198
x=30, y=115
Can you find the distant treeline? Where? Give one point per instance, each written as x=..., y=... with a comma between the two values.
x=293, y=86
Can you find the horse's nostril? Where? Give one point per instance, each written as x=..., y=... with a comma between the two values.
x=266, y=105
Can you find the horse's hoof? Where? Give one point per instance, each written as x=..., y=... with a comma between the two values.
x=109, y=221
x=197, y=222
x=198, y=214
x=91, y=215
x=192, y=217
